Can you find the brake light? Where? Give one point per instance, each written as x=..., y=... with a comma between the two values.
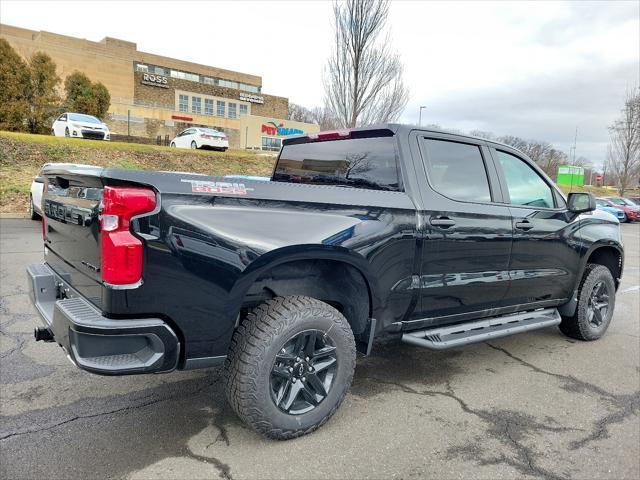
x=204, y=135
x=331, y=135
x=44, y=236
x=120, y=251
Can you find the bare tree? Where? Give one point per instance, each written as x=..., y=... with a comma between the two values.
x=363, y=78
x=623, y=155
x=318, y=115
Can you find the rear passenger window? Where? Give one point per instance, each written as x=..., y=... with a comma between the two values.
x=457, y=170
x=356, y=162
x=525, y=186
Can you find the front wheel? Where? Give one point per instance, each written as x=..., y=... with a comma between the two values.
x=596, y=301
x=194, y=145
x=66, y=132
x=290, y=365
x=173, y=145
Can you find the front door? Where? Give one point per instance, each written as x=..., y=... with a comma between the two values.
x=545, y=255
x=467, y=231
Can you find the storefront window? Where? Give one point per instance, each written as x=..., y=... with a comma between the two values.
x=232, y=110
x=141, y=68
x=271, y=144
x=243, y=110
x=196, y=104
x=208, y=106
x=220, y=108
x=183, y=103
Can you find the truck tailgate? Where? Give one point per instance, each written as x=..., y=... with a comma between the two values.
x=71, y=203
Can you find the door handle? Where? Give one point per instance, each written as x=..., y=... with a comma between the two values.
x=524, y=225
x=442, y=222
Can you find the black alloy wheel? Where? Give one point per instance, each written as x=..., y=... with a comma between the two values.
x=303, y=372
x=598, y=305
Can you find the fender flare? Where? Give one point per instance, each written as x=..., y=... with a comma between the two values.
x=297, y=253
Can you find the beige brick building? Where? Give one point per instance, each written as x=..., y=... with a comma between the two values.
x=155, y=96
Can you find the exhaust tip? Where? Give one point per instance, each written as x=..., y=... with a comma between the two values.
x=42, y=334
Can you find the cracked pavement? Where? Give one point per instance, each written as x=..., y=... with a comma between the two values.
x=536, y=405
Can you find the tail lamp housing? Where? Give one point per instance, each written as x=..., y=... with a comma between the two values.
x=120, y=250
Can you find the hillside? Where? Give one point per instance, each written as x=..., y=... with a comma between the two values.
x=22, y=155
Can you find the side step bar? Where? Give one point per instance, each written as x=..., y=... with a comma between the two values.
x=442, y=338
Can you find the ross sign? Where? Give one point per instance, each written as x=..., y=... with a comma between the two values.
x=247, y=97
x=271, y=128
x=155, y=80
x=570, y=175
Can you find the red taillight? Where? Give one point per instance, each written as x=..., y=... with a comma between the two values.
x=204, y=135
x=44, y=236
x=121, y=252
x=332, y=135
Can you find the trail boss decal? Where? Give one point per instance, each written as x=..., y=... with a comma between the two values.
x=200, y=186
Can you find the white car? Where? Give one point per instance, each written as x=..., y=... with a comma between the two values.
x=35, y=198
x=198, y=137
x=79, y=125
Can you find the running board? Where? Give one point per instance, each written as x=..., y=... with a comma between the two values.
x=442, y=338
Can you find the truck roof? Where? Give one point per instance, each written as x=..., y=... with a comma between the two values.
x=398, y=127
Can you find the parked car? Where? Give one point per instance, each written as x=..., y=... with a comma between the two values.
x=79, y=125
x=197, y=137
x=601, y=204
x=635, y=200
x=440, y=239
x=35, y=198
x=632, y=212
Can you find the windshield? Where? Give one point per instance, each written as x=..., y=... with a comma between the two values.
x=79, y=117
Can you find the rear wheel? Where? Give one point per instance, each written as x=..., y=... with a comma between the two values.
x=194, y=145
x=290, y=365
x=596, y=301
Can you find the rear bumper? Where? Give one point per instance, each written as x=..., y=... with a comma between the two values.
x=96, y=343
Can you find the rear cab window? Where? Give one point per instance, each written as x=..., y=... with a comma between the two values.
x=357, y=161
x=456, y=170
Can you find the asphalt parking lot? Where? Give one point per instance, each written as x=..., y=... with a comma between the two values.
x=534, y=405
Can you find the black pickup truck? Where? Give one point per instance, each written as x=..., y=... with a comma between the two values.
x=437, y=238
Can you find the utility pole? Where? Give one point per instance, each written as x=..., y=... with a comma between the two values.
x=575, y=139
x=420, y=116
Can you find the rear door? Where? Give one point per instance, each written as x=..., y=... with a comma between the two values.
x=466, y=229
x=545, y=255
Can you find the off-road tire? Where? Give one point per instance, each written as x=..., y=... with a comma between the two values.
x=252, y=353
x=578, y=325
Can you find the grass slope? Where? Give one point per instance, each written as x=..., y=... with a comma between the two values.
x=22, y=155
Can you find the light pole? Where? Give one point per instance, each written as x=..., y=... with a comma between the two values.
x=420, y=116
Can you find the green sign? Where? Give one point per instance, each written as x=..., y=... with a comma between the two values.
x=570, y=175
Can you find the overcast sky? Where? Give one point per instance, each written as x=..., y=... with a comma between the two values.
x=536, y=70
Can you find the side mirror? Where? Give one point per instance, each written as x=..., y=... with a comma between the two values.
x=581, y=202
